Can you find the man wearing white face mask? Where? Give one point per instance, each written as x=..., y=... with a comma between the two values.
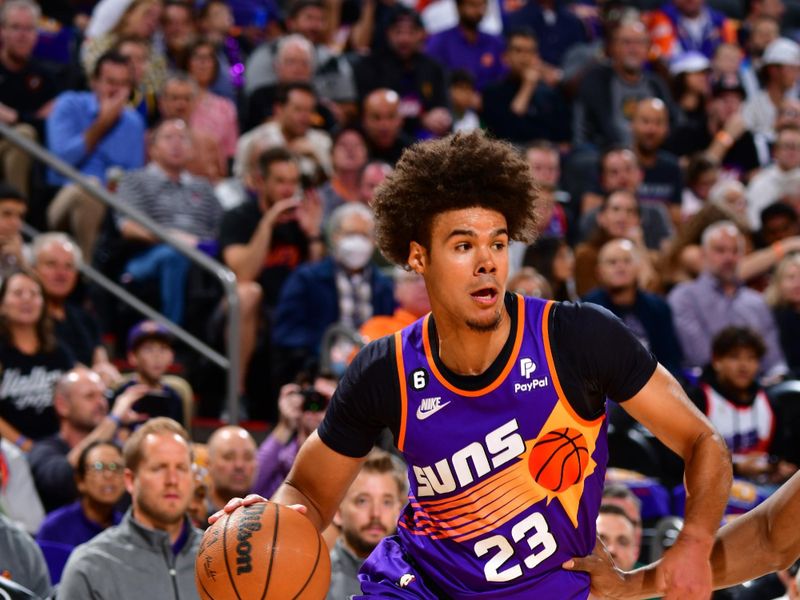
x=344, y=288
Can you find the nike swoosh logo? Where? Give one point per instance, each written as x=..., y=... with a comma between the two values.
x=424, y=415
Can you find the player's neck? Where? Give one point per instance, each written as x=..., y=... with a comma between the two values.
x=468, y=352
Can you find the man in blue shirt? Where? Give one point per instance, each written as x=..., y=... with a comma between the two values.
x=93, y=131
x=465, y=47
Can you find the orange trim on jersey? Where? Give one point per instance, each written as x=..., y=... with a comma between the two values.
x=401, y=375
x=500, y=378
x=551, y=365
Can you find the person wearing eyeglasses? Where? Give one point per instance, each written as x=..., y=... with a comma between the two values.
x=82, y=409
x=98, y=476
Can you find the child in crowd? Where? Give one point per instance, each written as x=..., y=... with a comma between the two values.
x=151, y=355
x=465, y=101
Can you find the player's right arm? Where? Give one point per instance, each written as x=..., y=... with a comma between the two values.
x=318, y=480
x=366, y=400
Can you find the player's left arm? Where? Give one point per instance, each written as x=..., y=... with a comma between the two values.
x=663, y=407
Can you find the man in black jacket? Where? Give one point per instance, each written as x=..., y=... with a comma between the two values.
x=609, y=92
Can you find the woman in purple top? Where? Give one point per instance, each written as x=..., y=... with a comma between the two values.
x=98, y=476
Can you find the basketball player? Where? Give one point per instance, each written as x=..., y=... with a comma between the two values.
x=761, y=541
x=474, y=390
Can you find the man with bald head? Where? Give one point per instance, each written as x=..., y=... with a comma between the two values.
x=662, y=180
x=82, y=408
x=231, y=466
x=647, y=315
x=383, y=126
x=718, y=298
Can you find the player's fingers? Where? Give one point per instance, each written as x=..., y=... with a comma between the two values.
x=578, y=564
x=215, y=517
x=248, y=500
x=299, y=508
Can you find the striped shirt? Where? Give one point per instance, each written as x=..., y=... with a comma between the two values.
x=188, y=204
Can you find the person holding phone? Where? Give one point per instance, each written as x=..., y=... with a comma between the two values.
x=301, y=407
x=151, y=354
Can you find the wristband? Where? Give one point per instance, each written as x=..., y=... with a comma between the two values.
x=20, y=441
x=116, y=419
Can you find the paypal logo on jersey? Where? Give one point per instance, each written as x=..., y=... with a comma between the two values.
x=526, y=367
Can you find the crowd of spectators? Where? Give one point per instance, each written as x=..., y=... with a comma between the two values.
x=665, y=140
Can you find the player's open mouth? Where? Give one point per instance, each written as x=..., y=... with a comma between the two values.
x=485, y=295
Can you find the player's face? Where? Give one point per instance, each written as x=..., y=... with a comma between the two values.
x=617, y=533
x=369, y=511
x=163, y=483
x=737, y=369
x=466, y=267
x=232, y=465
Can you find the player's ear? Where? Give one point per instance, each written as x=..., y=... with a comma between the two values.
x=337, y=520
x=417, y=257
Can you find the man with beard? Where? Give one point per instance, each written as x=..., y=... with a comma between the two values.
x=609, y=92
x=231, y=465
x=82, y=409
x=151, y=553
x=662, y=181
x=465, y=47
x=367, y=514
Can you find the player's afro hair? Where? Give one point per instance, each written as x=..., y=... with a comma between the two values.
x=456, y=172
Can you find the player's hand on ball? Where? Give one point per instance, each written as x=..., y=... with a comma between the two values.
x=235, y=503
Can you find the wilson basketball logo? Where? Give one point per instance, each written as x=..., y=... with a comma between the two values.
x=559, y=458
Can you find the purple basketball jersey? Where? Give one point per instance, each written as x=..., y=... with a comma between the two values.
x=506, y=481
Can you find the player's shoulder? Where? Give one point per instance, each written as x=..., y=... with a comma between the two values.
x=377, y=355
x=579, y=314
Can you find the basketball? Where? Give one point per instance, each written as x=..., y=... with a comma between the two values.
x=558, y=459
x=263, y=551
